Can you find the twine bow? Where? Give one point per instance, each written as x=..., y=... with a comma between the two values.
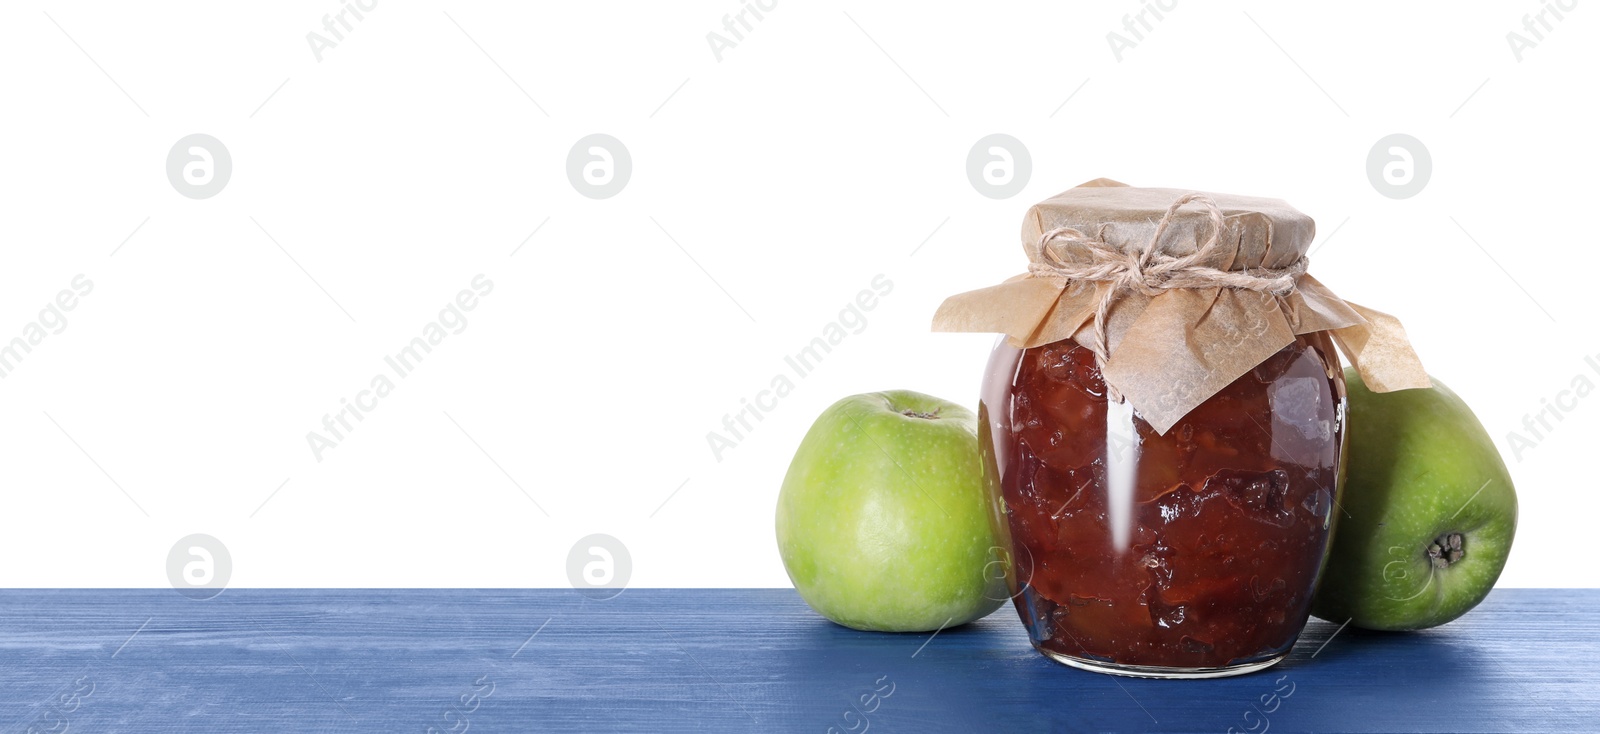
x=1148, y=271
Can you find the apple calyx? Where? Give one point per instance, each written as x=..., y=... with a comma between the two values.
x=909, y=413
x=1446, y=549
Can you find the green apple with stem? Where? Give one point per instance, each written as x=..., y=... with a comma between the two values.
x=1429, y=512
x=883, y=521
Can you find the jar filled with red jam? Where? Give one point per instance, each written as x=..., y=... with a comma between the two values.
x=1162, y=426
x=1188, y=554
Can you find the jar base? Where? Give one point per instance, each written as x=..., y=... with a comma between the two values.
x=1159, y=671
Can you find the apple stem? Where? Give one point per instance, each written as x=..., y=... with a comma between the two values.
x=1446, y=549
x=925, y=416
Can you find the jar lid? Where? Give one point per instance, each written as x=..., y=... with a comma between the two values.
x=1258, y=232
x=1179, y=293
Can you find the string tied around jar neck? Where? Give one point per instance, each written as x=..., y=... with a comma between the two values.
x=1149, y=271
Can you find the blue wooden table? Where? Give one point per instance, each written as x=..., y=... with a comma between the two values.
x=724, y=660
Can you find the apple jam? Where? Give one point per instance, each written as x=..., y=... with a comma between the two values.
x=1192, y=553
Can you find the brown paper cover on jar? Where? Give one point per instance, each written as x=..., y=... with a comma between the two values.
x=1172, y=340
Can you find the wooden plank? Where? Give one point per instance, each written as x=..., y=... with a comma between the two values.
x=737, y=660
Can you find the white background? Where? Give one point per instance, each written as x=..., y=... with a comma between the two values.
x=794, y=170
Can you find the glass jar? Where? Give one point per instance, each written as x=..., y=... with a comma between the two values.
x=1188, y=554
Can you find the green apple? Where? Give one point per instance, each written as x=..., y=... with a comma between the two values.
x=883, y=521
x=1429, y=512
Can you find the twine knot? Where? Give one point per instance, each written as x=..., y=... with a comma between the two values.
x=1149, y=271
